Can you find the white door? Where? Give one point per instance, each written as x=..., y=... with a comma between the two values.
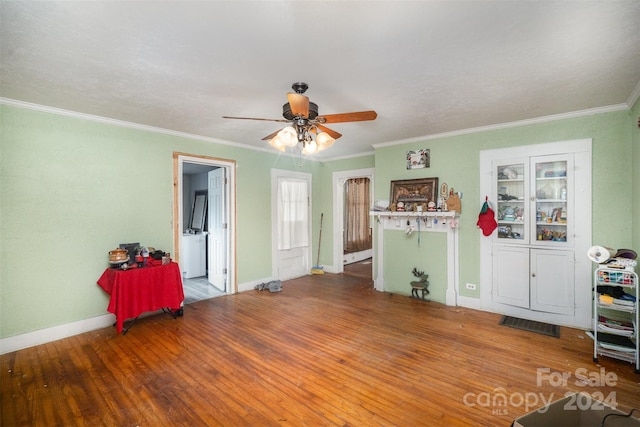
x=552, y=281
x=511, y=275
x=291, y=226
x=217, y=237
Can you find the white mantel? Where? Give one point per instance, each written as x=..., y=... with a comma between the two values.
x=439, y=222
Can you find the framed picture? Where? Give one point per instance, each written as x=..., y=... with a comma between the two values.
x=411, y=191
x=418, y=159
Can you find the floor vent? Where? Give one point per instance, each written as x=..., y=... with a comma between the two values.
x=531, y=326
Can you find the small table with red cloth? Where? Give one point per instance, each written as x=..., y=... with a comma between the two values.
x=136, y=290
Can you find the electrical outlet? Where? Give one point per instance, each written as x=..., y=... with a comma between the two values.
x=471, y=286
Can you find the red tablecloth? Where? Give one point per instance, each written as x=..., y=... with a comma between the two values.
x=137, y=290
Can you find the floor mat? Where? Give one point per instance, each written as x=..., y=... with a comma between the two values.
x=531, y=326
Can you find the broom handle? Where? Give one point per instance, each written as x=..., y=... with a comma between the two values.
x=319, y=239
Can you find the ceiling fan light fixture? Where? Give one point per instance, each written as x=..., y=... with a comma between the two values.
x=288, y=137
x=304, y=120
x=277, y=144
x=324, y=141
x=310, y=147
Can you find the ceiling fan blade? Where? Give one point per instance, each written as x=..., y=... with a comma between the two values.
x=299, y=104
x=358, y=116
x=271, y=135
x=254, y=118
x=333, y=133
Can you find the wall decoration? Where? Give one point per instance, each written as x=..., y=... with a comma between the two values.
x=410, y=192
x=418, y=159
x=444, y=190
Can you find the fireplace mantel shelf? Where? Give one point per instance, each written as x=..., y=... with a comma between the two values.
x=442, y=222
x=448, y=214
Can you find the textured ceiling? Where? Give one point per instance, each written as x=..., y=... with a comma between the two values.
x=426, y=67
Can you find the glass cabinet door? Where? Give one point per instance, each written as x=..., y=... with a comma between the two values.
x=512, y=205
x=551, y=199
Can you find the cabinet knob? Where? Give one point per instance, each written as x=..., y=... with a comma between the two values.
x=533, y=274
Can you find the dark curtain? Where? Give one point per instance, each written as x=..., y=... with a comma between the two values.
x=357, y=232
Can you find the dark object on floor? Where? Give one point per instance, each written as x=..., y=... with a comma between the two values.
x=531, y=326
x=273, y=286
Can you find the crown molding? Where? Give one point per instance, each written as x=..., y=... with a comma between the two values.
x=123, y=123
x=59, y=111
x=351, y=156
x=131, y=125
x=633, y=98
x=537, y=120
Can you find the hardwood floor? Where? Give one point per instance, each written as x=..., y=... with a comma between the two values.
x=327, y=350
x=362, y=269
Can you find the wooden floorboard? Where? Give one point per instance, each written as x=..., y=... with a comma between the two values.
x=327, y=350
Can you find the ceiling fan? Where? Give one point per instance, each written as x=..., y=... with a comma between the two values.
x=302, y=116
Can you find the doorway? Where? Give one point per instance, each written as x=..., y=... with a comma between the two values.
x=361, y=269
x=341, y=254
x=291, y=224
x=357, y=238
x=206, y=254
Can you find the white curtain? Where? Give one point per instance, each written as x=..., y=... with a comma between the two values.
x=293, y=204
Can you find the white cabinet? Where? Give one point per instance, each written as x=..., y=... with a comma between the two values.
x=510, y=192
x=552, y=195
x=532, y=278
x=534, y=264
x=193, y=255
x=511, y=275
x=552, y=281
x=616, y=318
x=532, y=197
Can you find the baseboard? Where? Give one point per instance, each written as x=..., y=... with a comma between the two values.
x=329, y=269
x=468, y=302
x=249, y=286
x=42, y=336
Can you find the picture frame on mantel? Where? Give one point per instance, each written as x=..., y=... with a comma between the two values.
x=422, y=190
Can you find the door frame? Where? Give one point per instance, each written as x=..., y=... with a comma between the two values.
x=339, y=179
x=282, y=173
x=230, y=165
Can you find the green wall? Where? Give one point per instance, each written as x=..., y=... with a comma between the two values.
x=455, y=160
x=634, y=125
x=72, y=189
x=426, y=255
x=324, y=204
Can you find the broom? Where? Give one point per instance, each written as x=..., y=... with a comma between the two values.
x=317, y=269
